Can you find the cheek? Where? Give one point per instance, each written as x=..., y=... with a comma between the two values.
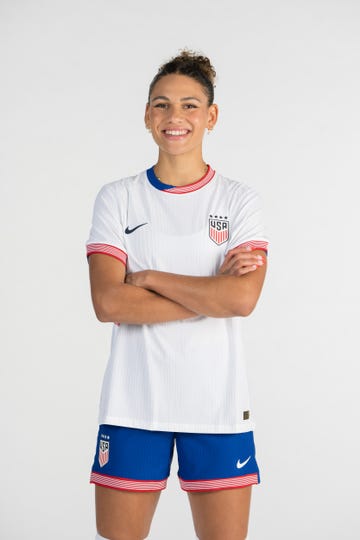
x=200, y=119
x=200, y=123
x=154, y=117
x=156, y=113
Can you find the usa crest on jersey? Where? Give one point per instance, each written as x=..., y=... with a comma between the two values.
x=218, y=229
x=104, y=447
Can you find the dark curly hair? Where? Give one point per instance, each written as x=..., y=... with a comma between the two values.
x=193, y=65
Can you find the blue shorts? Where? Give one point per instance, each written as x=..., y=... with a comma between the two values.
x=139, y=460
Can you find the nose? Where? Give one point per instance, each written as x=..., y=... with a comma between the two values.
x=175, y=114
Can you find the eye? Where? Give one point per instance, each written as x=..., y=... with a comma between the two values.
x=190, y=106
x=161, y=106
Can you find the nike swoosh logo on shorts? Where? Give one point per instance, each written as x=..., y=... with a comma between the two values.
x=129, y=231
x=240, y=465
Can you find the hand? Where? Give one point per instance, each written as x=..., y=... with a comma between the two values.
x=240, y=261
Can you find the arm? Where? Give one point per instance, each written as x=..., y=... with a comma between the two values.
x=116, y=301
x=233, y=292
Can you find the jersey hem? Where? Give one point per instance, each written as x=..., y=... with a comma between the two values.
x=241, y=427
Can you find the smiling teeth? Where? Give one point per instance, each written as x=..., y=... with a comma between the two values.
x=176, y=132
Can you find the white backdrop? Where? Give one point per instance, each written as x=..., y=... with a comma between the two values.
x=75, y=75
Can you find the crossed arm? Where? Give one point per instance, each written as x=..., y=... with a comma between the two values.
x=149, y=296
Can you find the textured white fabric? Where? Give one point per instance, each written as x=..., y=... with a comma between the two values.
x=184, y=375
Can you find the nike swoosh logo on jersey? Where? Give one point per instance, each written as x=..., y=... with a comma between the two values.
x=240, y=465
x=129, y=231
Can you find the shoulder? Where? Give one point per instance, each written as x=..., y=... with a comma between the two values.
x=117, y=191
x=122, y=184
x=237, y=189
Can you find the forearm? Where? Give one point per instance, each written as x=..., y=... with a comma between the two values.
x=214, y=296
x=134, y=305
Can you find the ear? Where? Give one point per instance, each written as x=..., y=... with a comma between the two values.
x=146, y=117
x=213, y=114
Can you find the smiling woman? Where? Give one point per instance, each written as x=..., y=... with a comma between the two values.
x=177, y=255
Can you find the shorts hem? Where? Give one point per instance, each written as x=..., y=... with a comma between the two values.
x=219, y=483
x=127, y=484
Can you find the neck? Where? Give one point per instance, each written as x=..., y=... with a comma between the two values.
x=179, y=170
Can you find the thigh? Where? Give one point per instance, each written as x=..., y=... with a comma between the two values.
x=218, y=471
x=124, y=515
x=130, y=468
x=221, y=515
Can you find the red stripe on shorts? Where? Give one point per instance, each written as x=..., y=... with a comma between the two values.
x=219, y=483
x=126, y=483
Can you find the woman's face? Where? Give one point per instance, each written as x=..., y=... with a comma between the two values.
x=178, y=114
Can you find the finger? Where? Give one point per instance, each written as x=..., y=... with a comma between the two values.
x=237, y=272
x=238, y=269
x=242, y=261
x=224, y=267
x=226, y=262
x=247, y=259
x=240, y=256
x=242, y=252
x=227, y=257
x=242, y=270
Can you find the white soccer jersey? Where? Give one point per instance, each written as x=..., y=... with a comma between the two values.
x=185, y=375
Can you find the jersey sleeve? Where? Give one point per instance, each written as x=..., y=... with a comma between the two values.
x=247, y=228
x=107, y=231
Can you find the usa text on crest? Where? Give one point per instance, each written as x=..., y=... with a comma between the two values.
x=104, y=447
x=218, y=229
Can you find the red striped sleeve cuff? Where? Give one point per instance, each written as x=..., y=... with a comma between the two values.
x=107, y=249
x=219, y=483
x=126, y=483
x=255, y=244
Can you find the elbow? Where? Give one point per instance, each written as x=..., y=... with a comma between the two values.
x=102, y=308
x=246, y=310
x=101, y=314
x=245, y=307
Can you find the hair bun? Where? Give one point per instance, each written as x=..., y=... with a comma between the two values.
x=202, y=63
x=191, y=64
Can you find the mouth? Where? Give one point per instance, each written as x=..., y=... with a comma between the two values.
x=175, y=133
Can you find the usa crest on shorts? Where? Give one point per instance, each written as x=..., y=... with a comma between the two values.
x=104, y=447
x=218, y=229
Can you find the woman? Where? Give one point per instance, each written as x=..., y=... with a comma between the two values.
x=177, y=256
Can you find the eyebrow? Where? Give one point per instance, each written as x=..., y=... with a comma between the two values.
x=182, y=99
